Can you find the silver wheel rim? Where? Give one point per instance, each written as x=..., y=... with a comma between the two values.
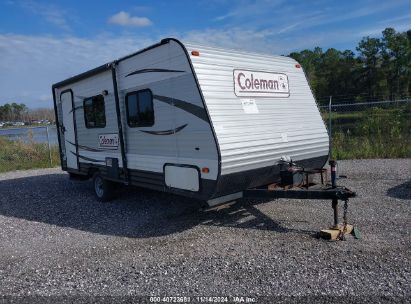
x=98, y=186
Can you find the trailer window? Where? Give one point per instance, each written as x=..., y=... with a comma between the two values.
x=139, y=107
x=94, y=112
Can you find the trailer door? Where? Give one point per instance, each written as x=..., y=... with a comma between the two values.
x=67, y=130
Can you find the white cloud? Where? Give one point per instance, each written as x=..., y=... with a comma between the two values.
x=251, y=40
x=246, y=8
x=31, y=64
x=226, y=16
x=49, y=12
x=362, y=10
x=124, y=19
x=396, y=19
x=291, y=18
x=377, y=30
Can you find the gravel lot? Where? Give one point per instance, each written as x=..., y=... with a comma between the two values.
x=55, y=239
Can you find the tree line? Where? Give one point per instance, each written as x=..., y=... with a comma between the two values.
x=380, y=70
x=11, y=112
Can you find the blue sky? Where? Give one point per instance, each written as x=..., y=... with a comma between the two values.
x=42, y=42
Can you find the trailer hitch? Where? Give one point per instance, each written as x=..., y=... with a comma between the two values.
x=310, y=190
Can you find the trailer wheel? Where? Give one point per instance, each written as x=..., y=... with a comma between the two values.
x=103, y=189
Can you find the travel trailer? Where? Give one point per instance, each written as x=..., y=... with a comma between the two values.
x=199, y=121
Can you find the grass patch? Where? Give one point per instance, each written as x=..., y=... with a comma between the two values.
x=376, y=133
x=358, y=147
x=336, y=115
x=20, y=155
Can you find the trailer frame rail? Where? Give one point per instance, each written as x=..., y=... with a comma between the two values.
x=320, y=193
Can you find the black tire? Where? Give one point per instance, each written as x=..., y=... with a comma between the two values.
x=103, y=189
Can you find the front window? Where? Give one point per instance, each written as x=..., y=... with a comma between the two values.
x=94, y=112
x=140, y=111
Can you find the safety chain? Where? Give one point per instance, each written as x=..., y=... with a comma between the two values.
x=341, y=235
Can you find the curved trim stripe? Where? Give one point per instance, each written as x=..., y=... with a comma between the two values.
x=166, y=132
x=89, y=148
x=87, y=158
x=185, y=106
x=153, y=71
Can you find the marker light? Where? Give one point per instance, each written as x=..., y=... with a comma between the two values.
x=195, y=53
x=205, y=170
x=298, y=66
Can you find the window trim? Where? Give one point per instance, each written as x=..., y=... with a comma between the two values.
x=127, y=111
x=85, y=116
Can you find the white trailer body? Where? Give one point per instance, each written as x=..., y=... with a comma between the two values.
x=198, y=121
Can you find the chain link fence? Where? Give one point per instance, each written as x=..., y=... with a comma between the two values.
x=28, y=147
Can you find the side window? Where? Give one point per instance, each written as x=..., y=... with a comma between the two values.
x=94, y=112
x=139, y=107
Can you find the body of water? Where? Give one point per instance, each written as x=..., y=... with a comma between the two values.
x=39, y=134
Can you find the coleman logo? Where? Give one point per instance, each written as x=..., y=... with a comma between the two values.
x=260, y=84
x=108, y=141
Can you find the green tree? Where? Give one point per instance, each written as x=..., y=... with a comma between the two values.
x=6, y=111
x=396, y=62
x=380, y=69
x=370, y=57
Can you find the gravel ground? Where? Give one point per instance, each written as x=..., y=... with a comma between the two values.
x=56, y=240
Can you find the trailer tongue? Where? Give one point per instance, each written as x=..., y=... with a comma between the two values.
x=298, y=183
